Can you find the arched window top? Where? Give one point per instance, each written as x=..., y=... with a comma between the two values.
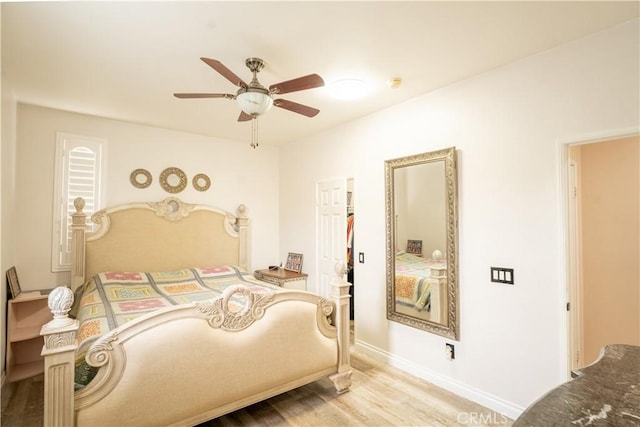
x=80, y=170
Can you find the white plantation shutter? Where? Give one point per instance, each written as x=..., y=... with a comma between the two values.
x=80, y=179
x=80, y=164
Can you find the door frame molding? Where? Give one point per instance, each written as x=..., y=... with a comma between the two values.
x=564, y=242
x=574, y=262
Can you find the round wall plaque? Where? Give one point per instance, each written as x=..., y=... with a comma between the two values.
x=140, y=178
x=173, y=180
x=201, y=182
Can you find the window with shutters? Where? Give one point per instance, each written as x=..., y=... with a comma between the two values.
x=79, y=171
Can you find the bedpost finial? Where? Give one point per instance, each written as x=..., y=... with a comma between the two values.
x=79, y=204
x=242, y=211
x=60, y=302
x=340, y=269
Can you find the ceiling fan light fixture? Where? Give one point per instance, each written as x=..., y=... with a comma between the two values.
x=254, y=103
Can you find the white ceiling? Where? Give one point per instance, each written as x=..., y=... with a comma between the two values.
x=124, y=60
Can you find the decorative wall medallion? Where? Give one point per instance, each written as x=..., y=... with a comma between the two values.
x=140, y=178
x=173, y=180
x=201, y=182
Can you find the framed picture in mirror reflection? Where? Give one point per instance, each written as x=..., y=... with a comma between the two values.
x=414, y=247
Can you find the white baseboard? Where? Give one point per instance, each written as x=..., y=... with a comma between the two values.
x=480, y=397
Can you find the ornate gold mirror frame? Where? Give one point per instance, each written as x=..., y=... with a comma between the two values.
x=173, y=180
x=140, y=178
x=201, y=182
x=422, y=212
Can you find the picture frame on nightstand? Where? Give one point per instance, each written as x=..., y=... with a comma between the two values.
x=294, y=262
x=13, y=283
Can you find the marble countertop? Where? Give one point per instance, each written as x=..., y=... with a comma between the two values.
x=605, y=393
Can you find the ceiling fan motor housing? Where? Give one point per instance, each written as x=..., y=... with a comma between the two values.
x=254, y=64
x=254, y=100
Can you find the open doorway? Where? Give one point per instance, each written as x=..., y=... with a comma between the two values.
x=603, y=246
x=335, y=237
x=351, y=248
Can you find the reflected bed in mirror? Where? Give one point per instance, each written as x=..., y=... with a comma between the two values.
x=422, y=236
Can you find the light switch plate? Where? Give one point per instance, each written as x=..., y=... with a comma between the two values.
x=502, y=275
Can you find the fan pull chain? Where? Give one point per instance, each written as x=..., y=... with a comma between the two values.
x=254, y=132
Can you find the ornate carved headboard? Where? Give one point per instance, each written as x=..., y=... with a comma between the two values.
x=162, y=236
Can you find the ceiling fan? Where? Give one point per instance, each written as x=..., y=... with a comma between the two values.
x=253, y=98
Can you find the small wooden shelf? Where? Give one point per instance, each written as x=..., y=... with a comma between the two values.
x=23, y=371
x=25, y=333
x=26, y=315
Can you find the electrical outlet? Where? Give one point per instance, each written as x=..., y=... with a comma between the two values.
x=451, y=351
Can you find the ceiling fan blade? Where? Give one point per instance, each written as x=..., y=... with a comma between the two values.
x=225, y=72
x=204, y=95
x=296, y=108
x=244, y=117
x=301, y=83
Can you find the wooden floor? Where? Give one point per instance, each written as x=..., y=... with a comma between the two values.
x=379, y=396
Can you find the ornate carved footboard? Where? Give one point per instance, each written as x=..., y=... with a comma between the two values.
x=193, y=362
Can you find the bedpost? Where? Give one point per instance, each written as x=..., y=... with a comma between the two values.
x=78, y=231
x=438, y=283
x=59, y=355
x=242, y=225
x=340, y=293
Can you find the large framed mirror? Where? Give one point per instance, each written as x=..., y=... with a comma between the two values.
x=422, y=241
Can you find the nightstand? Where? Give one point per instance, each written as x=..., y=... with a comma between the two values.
x=283, y=278
x=26, y=315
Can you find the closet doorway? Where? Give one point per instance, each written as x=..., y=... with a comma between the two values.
x=335, y=232
x=603, y=237
x=351, y=247
x=331, y=229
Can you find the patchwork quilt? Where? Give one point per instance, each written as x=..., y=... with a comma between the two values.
x=412, y=288
x=111, y=299
x=413, y=292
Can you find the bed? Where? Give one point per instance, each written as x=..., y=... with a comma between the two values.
x=420, y=286
x=169, y=327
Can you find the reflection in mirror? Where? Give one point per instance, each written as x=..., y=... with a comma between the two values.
x=421, y=207
x=173, y=180
x=172, y=206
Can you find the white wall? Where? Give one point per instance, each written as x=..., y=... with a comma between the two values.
x=238, y=173
x=507, y=125
x=7, y=201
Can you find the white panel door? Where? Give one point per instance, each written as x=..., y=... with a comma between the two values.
x=331, y=231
